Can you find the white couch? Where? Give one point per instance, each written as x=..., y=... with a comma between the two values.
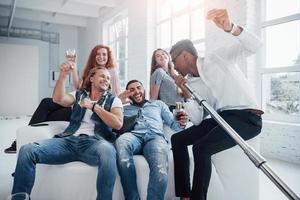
x=234, y=177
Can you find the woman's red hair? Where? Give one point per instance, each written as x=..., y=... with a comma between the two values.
x=91, y=62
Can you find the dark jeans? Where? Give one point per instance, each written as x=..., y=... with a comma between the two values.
x=50, y=111
x=207, y=139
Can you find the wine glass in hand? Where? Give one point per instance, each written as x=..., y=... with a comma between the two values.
x=71, y=55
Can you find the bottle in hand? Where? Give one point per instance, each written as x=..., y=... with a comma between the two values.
x=178, y=112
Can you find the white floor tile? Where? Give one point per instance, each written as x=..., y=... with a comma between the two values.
x=8, y=127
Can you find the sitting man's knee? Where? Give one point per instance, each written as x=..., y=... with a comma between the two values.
x=106, y=151
x=27, y=149
x=122, y=145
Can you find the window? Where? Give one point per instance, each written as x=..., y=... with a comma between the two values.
x=180, y=19
x=118, y=41
x=281, y=64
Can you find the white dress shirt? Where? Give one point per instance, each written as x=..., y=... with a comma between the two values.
x=222, y=83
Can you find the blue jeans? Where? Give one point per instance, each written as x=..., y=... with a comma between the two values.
x=84, y=148
x=155, y=152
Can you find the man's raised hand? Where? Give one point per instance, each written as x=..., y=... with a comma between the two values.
x=220, y=18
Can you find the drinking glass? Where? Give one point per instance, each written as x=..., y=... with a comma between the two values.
x=18, y=196
x=71, y=55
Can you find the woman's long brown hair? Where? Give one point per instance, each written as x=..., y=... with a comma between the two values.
x=154, y=65
x=91, y=62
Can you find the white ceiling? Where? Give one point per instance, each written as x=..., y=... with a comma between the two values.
x=71, y=12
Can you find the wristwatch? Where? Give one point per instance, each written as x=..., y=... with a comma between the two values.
x=234, y=28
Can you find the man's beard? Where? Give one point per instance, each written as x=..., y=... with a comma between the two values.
x=103, y=88
x=137, y=103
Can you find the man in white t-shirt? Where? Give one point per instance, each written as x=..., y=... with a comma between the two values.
x=88, y=138
x=221, y=83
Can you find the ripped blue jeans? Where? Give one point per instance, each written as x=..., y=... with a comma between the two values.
x=155, y=152
x=88, y=149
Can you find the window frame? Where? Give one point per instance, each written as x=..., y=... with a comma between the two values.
x=113, y=44
x=175, y=14
x=264, y=69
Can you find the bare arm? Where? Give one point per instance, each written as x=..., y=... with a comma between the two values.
x=154, y=90
x=75, y=78
x=155, y=80
x=59, y=93
x=115, y=82
x=124, y=96
x=113, y=119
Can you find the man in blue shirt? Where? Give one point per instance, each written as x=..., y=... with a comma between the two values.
x=148, y=139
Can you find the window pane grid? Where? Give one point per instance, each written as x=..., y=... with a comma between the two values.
x=281, y=96
x=118, y=41
x=180, y=28
x=180, y=23
x=279, y=39
x=281, y=69
x=197, y=24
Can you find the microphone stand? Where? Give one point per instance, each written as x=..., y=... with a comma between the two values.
x=259, y=161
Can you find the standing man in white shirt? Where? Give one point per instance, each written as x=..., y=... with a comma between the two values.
x=219, y=81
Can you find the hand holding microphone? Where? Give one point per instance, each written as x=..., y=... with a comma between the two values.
x=181, y=83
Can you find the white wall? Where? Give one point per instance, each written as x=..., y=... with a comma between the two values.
x=19, y=68
x=281, y=141
x=88, y=38
x=68, y=39
x=43, y=63
x=137, y=34
x=49, y=55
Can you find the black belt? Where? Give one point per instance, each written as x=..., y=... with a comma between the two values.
x=83, y=135
x=255, y=111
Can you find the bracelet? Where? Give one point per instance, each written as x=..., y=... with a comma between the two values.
x=93, y=107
